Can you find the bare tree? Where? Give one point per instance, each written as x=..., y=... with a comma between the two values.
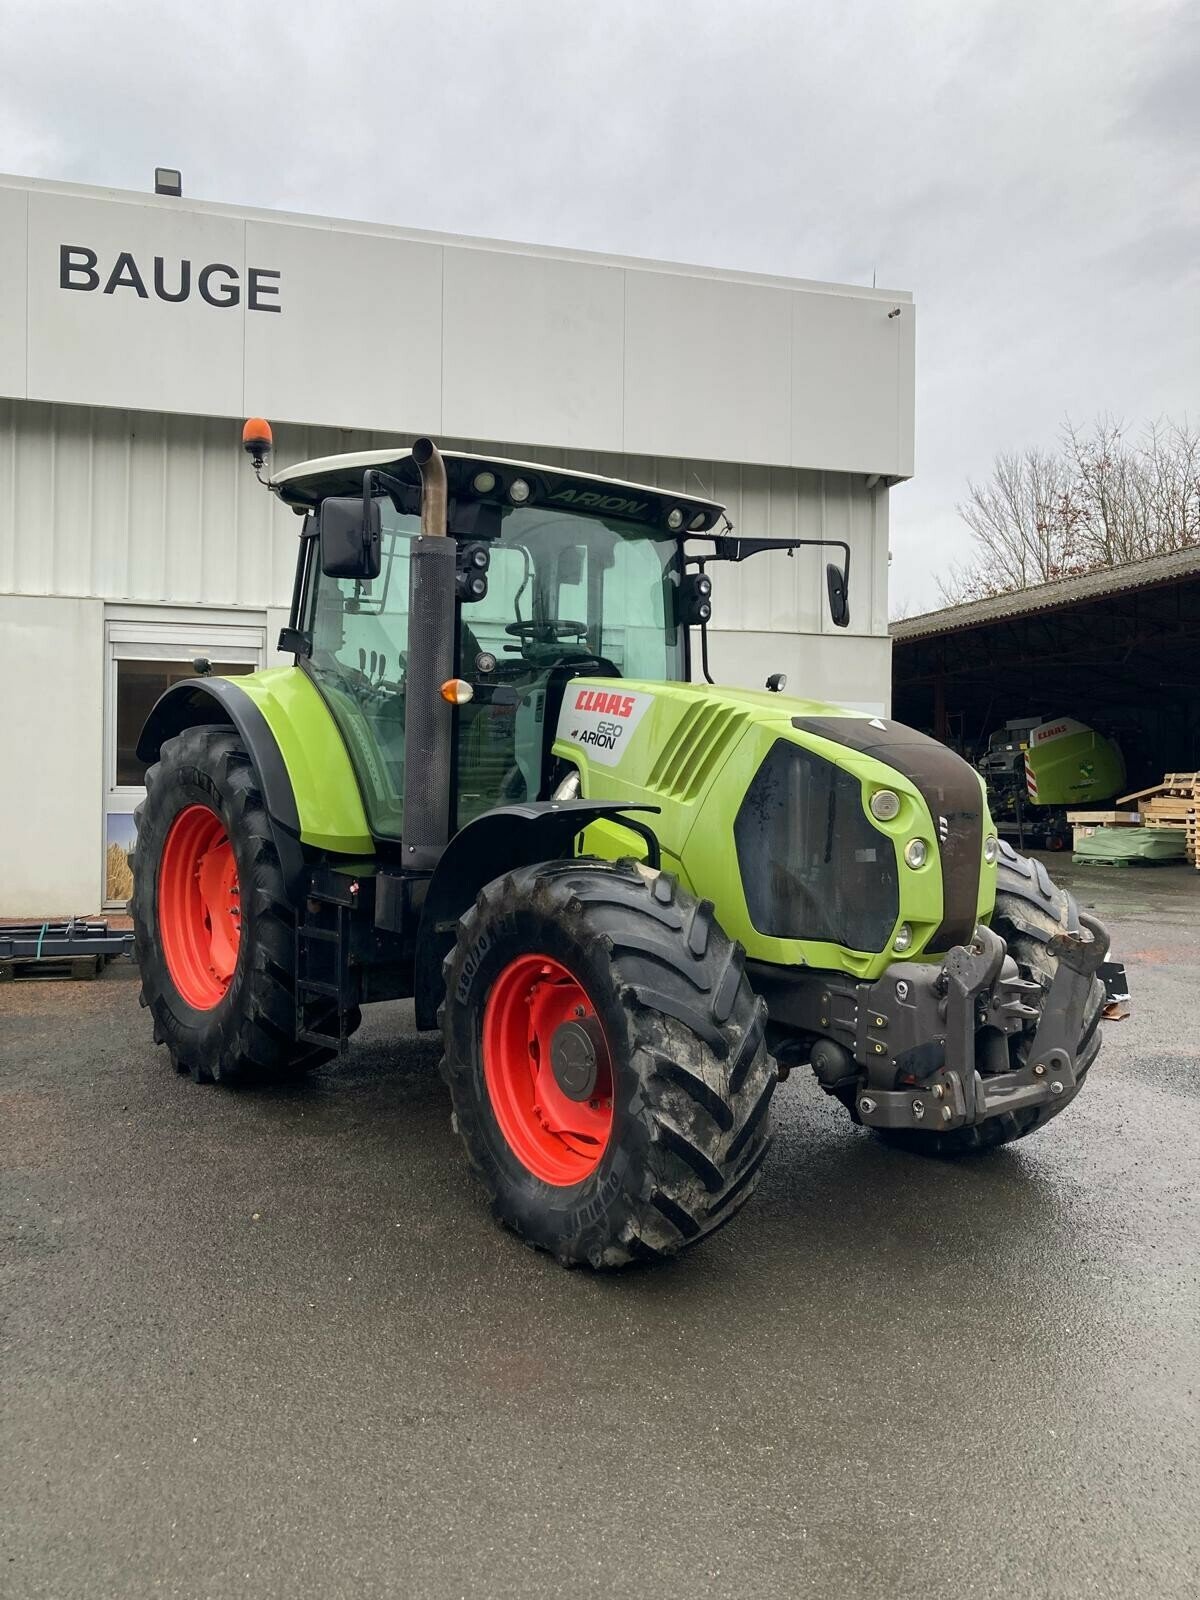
x=1098, y=501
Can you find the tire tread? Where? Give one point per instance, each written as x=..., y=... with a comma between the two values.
x=256, y=1042
x=696, y=1043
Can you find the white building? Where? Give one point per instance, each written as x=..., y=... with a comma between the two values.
x=136, y=331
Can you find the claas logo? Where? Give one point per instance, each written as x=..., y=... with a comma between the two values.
x=613, y=705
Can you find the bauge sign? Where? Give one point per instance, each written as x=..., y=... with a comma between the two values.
x=602, y=721
x=79, y=268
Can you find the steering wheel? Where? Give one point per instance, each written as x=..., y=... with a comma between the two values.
x=544, y=630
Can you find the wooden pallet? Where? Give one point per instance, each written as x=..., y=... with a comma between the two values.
x=1182, y=785
x=1173, y=803
x=1120, y=861
x=44, y=968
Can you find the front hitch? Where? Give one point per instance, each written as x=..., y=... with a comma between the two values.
x=978, y=986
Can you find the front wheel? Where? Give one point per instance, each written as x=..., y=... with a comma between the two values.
x=605, y=1058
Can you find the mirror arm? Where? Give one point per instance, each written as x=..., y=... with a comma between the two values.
x=369, y=477
x=292, y=638
x=729, y=547
x=404, y=496
x=708, y=678
x=368, y=499
x=732, y=548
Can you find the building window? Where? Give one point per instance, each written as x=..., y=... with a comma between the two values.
x=139, y=686
x=148, y=650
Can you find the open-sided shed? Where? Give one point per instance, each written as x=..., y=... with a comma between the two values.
x=1119, y=649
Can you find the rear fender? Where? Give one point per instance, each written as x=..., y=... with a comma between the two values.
x=219, y=700
x=308, y=786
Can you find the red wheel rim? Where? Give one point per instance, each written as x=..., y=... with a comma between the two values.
x=199, y=910
x=558, y=1138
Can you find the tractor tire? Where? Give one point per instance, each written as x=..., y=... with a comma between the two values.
x=214, y=934
x=1030, y=910
x=605, y=1057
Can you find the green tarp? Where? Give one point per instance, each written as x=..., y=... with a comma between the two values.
x=1132, y=844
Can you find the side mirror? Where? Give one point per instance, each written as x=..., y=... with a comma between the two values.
x=839, y=601
x=349, y=540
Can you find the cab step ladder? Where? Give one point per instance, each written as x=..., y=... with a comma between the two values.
x=323, y=993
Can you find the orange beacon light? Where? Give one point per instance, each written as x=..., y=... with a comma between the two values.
x=257, y=440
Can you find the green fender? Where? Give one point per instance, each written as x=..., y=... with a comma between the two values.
x=309, y=786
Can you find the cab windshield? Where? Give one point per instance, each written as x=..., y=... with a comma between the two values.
x=568, y=596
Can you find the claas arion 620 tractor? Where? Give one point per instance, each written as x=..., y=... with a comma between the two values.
x=631, y=903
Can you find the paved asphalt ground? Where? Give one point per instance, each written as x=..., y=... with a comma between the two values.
x=272, y=1345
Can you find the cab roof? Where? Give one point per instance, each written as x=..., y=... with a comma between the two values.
x=305, y=485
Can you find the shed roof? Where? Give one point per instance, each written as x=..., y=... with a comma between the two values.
x=1133, y=575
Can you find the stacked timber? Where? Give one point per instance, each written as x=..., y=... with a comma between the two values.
x=1172, y=804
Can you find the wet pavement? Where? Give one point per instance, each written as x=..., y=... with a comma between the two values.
x=272, y=1345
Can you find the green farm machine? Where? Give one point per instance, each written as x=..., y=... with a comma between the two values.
x=631, y=903
x=1038, y=768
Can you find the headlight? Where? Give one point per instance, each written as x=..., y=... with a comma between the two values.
x=991, y=849
x=885, y=805
x=903, y=938
x=675, y=519
x=484, y=482
x=916, y=852
x=519, y=491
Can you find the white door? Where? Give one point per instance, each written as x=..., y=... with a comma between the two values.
x=142, y=660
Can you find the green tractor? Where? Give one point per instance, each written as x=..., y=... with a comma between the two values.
x=631, y=903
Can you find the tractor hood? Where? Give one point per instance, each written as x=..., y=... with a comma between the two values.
x=768, y=805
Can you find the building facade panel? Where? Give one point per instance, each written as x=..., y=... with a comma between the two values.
x=532, y=349
x=125, y=505
x=181, y=306
x=841, y=430
x=101, y=331
x=706, y=368
x=51, y=660
x=354, y=333
x=14, y=289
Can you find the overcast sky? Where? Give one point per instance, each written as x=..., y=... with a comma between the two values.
x=1027, y=168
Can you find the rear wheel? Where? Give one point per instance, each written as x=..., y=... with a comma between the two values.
x=214, y=932
x=1030, y=911
x=605, y=1060
x=199, y=906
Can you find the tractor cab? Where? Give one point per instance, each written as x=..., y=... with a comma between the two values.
x=558, y=575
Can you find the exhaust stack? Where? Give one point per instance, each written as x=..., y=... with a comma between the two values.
x=433, y=487
x=432, y=625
